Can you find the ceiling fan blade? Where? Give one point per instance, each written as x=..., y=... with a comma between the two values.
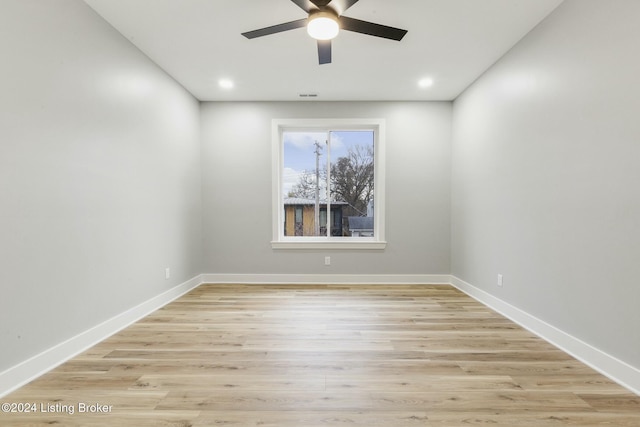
x=324, y=51
x=276, y=29
x=341, y=6
x=372, y=29
x=306, y=5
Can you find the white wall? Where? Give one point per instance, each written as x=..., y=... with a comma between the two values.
x=237, y=189
x=546, y=180
x=99, y=176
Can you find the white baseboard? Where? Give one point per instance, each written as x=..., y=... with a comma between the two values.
x=26, y=371
x=615, y=369
x=335, y=279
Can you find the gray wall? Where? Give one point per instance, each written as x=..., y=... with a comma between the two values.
x=237, y=189
x=102, y=188
x=99, y=176
x=546, y=181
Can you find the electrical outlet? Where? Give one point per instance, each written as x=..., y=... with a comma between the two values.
x=327, y=260
x=167, y=273
x=500, y=280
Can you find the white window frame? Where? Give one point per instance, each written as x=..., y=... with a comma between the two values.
x=279, y=240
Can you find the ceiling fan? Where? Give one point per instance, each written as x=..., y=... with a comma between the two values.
x=324, y=22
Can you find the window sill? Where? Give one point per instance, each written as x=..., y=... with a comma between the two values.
x=310, y=243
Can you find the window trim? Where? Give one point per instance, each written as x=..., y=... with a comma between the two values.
x=279, y=240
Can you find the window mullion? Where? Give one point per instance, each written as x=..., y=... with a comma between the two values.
x=329, y=218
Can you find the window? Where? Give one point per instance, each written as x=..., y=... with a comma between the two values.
x=328, y=183
x=298, y=223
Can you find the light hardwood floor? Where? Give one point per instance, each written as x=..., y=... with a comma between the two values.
x=304, y=356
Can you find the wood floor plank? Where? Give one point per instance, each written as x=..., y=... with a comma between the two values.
x=230, y=381
x=374, y=400
x=313, y=419
x=324, y=355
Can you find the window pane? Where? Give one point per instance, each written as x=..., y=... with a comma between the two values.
x=328, y=183
x=304, y=180
x=352, y=182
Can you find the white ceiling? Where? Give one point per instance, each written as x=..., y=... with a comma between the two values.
x=198, y=42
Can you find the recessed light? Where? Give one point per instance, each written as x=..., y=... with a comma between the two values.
x=225, y=83
x=425, y=83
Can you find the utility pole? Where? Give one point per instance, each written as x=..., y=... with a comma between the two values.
x=317, y=212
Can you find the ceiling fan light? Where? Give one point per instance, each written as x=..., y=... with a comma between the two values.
x=323, y=26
